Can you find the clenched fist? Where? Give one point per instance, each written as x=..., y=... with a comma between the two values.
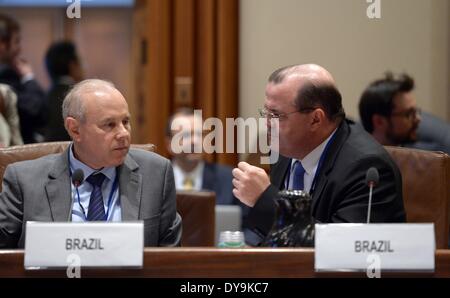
x=249, y=183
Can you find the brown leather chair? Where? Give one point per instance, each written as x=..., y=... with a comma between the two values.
x=196, y=209
x=426, y=188
x=32, y=151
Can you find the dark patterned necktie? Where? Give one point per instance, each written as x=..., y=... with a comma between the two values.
x=96, y=211
x=299, y=172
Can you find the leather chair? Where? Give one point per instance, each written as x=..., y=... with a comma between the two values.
x=426, y=188
x=196, y=209
x=32, y=151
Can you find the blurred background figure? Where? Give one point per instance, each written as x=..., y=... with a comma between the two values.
x=388, y=110
x=64, y=69
x=191, y=170
x=9, y=118
x=17, y=73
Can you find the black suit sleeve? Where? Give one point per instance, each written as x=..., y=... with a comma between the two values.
x=351, y=203
x=262, y=215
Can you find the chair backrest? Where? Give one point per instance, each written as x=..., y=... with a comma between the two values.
x=426, y=188
x=196, y=209
x=13, y=154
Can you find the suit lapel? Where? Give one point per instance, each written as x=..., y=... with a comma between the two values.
x=278, y=171
x=333, y=151
x=130, y=188
x=58, y=189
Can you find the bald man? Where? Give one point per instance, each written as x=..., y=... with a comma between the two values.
x=120, y=184
x=321, y=152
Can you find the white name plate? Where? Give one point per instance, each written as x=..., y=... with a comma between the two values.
x=97, y=244
x=386, y=247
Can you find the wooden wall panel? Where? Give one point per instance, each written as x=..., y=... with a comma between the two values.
x=184, y=52
x=139, y=71
x=159, y=91
x=205, y=62
x=227, y=66
x=192, y=61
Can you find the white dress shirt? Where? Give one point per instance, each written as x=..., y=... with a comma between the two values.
x=196, y=175
x=310, y=163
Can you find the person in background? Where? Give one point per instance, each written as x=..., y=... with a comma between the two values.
x=193, y=172
x=9, y=118
x=64, y=69
x=389, y=112
x=17, y=73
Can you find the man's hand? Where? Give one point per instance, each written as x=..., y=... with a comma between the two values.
x=249, y=183
x=22, y=67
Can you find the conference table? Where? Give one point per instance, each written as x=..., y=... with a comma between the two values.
x=193, y=262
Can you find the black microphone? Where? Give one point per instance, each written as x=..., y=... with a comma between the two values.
x=77, y=177
x=372, y=179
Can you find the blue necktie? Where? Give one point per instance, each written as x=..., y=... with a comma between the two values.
x=96, y=211
x=299, y=172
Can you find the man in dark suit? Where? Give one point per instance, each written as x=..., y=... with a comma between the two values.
x=64, y=68
x=320, y=152
x=120, y=184
x=192, y=171
x=17, y=73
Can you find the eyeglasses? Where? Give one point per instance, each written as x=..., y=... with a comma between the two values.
x=281, y=116
x=410, y=114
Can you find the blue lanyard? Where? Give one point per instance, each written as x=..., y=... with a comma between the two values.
x=110, y=199
x=319, y=166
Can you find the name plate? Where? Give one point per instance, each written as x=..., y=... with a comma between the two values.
x=383, y=247
x=97, y=244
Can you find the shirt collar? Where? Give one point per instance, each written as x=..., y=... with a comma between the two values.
x=195, y=173
x=311, y=160
x=109, y=172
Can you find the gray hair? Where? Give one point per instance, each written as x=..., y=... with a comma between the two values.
x=73, y=106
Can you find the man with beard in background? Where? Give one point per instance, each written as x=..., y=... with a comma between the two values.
x=389, y=112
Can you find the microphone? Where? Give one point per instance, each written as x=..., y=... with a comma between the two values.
x=372, y=179
x=77, y=177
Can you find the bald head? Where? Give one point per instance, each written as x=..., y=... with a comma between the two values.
x=74, y=105
x=313, y=73
x=315, y=87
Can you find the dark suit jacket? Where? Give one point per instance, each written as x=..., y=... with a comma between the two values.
x=55, y=130
x=40, y=190
x=341, y=194
x=218, y=178
x=31, y=103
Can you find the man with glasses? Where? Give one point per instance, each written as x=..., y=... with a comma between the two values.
x=389, y=112
x=321, y=152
